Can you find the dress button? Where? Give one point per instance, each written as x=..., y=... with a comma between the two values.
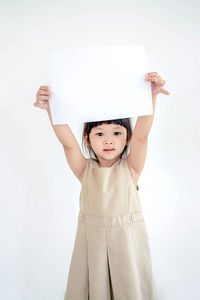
x=132, y=218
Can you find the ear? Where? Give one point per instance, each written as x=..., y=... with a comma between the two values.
x=86, y=140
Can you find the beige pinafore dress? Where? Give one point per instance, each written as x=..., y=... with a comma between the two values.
x=111, y=259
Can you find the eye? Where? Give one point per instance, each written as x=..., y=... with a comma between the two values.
x=114, y=133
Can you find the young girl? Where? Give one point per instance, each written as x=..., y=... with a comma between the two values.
x=111, y=259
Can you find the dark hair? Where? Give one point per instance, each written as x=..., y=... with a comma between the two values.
x=87, y=127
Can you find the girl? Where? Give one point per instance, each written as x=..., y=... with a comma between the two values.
x=111, y=259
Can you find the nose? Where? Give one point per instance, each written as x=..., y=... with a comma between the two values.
x=108, y=141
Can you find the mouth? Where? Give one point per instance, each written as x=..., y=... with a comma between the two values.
x=108, y=149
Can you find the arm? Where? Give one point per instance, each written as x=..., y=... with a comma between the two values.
x=144, y=123
x=139, y=140
x=73, y=154
x=63, y=133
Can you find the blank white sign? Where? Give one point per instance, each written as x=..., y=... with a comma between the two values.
x=97, y=83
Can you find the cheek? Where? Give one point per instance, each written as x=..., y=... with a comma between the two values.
x=95, y=141
x=123, y=139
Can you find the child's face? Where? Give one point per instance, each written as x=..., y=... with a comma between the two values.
x=108, y=136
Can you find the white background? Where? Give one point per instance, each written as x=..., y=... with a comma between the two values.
x=40, y=195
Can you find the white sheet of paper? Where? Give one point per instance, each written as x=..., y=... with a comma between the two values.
x=97, y=83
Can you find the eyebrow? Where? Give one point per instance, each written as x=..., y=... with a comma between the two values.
x=97, y=128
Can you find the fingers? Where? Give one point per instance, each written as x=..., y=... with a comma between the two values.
x=164, y=91
x=151, y=78
x=44, y=90
x=43, y=93
x=152, y=74
x=45, y=87
x=42, y=97
x=156, y=79
x=42, y=104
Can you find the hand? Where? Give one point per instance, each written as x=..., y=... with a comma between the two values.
x=157, y=83
x=42, y=97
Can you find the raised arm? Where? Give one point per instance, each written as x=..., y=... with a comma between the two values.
x=139, y=139
x=73, y=153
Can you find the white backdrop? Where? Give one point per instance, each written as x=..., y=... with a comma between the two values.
x=40, y=195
